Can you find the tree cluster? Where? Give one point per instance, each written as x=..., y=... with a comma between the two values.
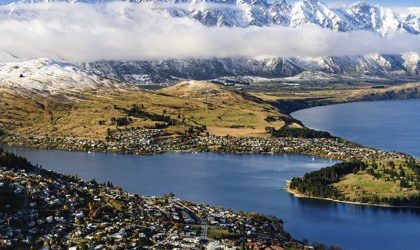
x=297, y=133
x=318, y=183
x=139, y=112
x=121, y=121
x=10, y=160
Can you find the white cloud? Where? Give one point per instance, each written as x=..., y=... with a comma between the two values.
x=339, y=4
x=407, y=11
x=122, y=31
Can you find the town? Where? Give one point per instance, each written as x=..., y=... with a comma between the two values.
x=155, y=141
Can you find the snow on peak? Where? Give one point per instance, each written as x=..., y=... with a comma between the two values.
x=47, y=76
x=412, y=23
x=365, y=16
x=243, y=13
x=361, y=4
x=280, y=12
x=313, y=11
x=412, y=62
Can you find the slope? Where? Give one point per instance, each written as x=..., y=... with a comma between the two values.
x=227, y=111
x=45, y=104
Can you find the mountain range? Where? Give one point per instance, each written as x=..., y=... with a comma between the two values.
x=320, y=70
x=244, y=13
x=360, y=16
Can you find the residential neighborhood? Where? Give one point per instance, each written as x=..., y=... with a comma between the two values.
x=155, y=141
x=40, y=209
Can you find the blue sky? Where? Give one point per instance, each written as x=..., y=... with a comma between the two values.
x=391, y=3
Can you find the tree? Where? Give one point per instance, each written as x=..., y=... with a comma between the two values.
x=402, y=173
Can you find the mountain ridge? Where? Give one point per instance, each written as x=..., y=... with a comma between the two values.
x=368, y=68
x=245, y=13
x=360, y=16
x=47, y=76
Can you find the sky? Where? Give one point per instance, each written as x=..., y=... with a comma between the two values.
x=390, y=3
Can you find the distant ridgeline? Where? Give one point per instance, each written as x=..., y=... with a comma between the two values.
x=330, y=183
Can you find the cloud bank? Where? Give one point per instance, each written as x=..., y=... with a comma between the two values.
x=123, y=31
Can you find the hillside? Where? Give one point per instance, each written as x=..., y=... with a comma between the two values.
x=377, y=181
x=227, y=111
x=55, y=105
x=49, y=99
x=50, y=77
x=43, y=209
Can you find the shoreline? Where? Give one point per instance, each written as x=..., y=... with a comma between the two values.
x=295, y=193
x=391, y=93
x=299, y=195
x=192, y=151
x=137, y=214
x=336, y=149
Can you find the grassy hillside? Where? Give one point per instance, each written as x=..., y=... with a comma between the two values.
x=395, y=179
x=225, y=111
x=92, y=113
x=387, y=182
x=216, y=110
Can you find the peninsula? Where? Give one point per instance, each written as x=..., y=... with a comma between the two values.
x=107, y=116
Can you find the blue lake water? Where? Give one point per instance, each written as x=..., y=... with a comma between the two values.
x=390, y=125
x=245, y=182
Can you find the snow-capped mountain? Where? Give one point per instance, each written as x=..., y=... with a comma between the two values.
x=46, y=76
x=372, y=67
x=314, y=12
x=243, y=13
x=363, y=16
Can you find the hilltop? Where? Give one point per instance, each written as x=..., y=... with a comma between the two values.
x=51, y=98
x=49, y=77
x=228, y=111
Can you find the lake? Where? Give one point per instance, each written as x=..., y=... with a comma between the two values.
x=390, y=125
x=244, y=182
